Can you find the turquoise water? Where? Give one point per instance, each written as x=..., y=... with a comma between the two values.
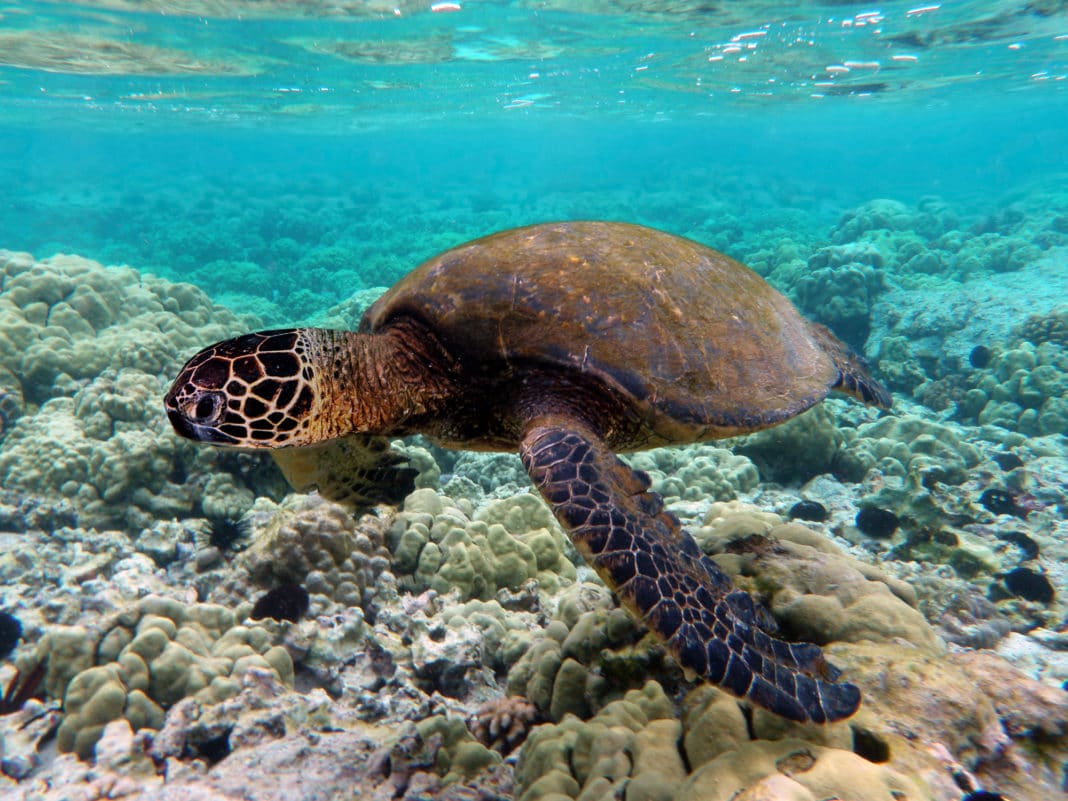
x=175, y=138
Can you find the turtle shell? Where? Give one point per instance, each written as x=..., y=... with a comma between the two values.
x=700, y=344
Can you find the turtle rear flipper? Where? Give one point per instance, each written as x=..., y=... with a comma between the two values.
x=660, y=573
x=852, y=376
x=357, y=470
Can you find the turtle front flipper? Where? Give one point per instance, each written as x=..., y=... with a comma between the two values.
x=357, y=470
x=659, y=572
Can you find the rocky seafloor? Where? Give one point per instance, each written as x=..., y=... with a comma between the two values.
x=187, y=628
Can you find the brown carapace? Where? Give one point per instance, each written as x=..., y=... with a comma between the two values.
x=567, y=342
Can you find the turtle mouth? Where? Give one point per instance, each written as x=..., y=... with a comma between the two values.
x=185, y=427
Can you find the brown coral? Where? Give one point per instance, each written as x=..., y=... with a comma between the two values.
x=1049, y=327
x=944, y=392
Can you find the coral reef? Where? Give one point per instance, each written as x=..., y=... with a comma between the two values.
x=12, y=404
x=147, y=659
x=709, y=748
x=503, y=723
x=914, y=459
x=1013, y=319
x=931, y=241
x=875, y=215
x=795, y=451
x=86, y=350
x=446, y=545
x=839, y=289
x=994, y=252
x=311, y=542
x=815, y=591
x=457, y=643
x=458, y=754
x=697, y=472
x=498, y=474
x=640, y=746
x=1049, y=327
x=589, y=654
x=1025, y=390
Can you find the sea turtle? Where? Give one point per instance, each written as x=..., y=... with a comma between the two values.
x=565, y=341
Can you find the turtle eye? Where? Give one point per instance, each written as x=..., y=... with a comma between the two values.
x=205, y=409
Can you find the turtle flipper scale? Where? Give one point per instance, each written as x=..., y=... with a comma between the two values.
x=660, y=573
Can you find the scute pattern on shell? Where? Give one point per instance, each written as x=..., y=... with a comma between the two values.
x=700, y=342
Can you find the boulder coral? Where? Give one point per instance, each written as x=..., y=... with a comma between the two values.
x=589, y=655
x=639, y=748
x=915, y=468
x=601, y=758
x=814, y=590
x=797, y=450
x=1026, y=390
x=899, y=366
x=457, y=754
x=592, y=651
x=839, y=289
x=453, y=651
x=67, y=319
x=146, y=659
x=924, y=716
x=86, y=351
x=909, y=256
x=12, y=404
x=447, y=545
x=313, y=542
x=930, y=239
x=993, y=253
x=876, y=215
x=98, y=448
x=696, y=472
x=1019, y=382
x=493, y=473
x=904, y=447
x=1008, y=729
x=1049, y=327
x=925, y=713
x=796, y=770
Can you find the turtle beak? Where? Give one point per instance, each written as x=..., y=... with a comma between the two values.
x=180, y=423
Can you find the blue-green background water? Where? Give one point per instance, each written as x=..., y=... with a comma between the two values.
x=275, y=154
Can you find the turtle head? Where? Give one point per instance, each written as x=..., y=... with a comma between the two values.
x=255, y=391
